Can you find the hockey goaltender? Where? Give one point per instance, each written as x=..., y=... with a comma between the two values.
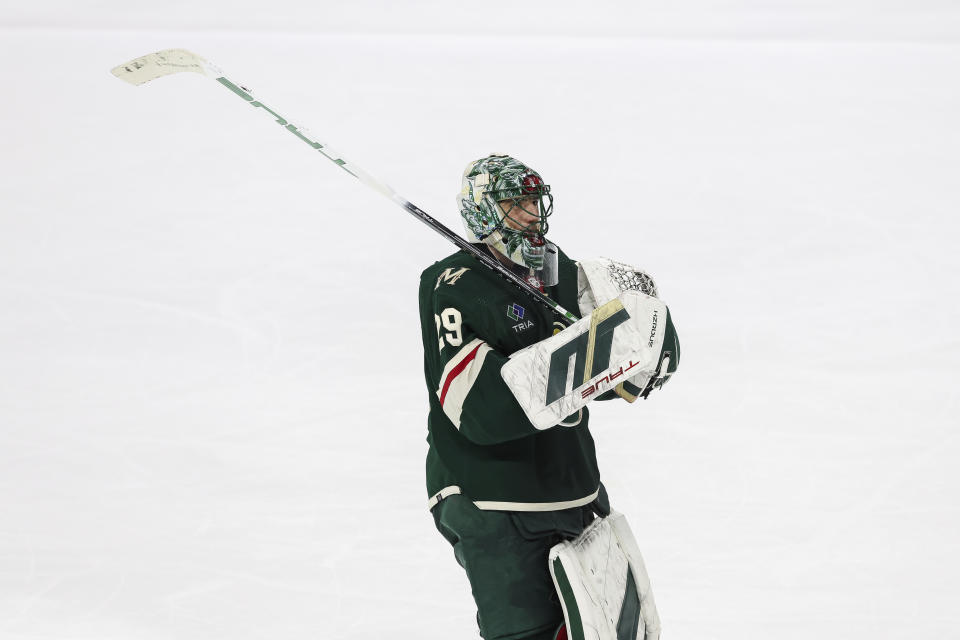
x=512, y=474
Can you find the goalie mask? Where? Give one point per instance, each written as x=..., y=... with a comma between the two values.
x=505, y=204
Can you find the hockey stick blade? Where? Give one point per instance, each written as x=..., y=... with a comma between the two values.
x=163, y=63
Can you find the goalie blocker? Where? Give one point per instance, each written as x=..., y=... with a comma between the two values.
x=620, y=340
x=603, y=584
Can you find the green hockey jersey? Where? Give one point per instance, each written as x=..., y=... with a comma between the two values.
x=481, y=444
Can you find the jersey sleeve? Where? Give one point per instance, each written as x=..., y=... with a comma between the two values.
x=463, y=369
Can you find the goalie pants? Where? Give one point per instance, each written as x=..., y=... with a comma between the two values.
x=504, y=554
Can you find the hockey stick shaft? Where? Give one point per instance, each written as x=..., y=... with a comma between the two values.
x=162, y=63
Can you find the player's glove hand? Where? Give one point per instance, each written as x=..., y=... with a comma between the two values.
x=621, y=339
x=601, y=280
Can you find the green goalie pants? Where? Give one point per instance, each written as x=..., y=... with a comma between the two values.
x=504, y=554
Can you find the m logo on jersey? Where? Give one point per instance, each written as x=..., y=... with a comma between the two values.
x=450, y=276
x=589, y=351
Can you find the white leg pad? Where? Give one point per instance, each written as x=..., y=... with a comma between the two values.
x=603, y=584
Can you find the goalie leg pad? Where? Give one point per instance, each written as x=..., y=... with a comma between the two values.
x=603, y=584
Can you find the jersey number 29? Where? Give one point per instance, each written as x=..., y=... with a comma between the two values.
x=449, y=319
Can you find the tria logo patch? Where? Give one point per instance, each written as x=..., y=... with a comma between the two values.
x=522, y=325
x=516, y=313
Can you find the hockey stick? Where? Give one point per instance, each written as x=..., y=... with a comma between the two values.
x=163, y=63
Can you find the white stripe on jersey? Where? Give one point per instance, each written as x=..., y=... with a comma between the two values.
x=458, y=377
x=493, y=505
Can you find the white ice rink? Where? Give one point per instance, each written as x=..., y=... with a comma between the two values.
x=212, y=407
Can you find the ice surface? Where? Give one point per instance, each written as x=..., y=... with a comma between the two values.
x=212, y=413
